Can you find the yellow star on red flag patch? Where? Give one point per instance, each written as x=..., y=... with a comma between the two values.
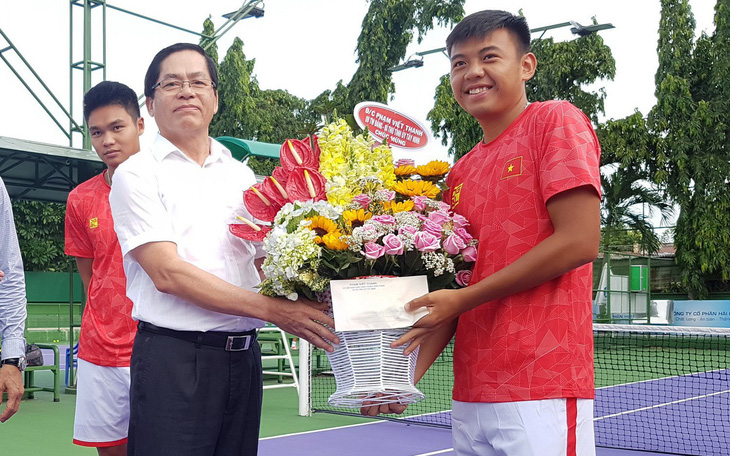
x=512, y=168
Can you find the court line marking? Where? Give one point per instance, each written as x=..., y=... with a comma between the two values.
x=679, y=401
x=446, y=450
x=314, y=431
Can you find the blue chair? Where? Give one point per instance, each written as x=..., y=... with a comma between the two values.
x=71, y=359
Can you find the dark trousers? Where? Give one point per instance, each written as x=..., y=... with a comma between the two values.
x=189, y=399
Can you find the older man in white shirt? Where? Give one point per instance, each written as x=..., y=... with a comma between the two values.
x=12, y=310
x=196, y=367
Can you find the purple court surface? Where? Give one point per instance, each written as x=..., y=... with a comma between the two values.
x=381, y=438
x=664, y=403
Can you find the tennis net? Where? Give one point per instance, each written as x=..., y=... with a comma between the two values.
x=658, y=388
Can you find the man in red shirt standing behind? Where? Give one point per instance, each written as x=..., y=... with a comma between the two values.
x=523, y=356
x=107, y=329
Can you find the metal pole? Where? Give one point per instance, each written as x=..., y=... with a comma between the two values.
x=87, y=61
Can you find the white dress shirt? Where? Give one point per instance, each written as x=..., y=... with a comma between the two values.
x=159, y=194
x=12, y=286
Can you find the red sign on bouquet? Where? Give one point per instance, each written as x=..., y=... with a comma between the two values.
x=386, y=124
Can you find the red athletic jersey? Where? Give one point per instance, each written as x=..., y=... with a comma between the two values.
x=537, y=344
x=107, y=328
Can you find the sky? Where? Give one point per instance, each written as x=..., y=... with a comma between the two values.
x=302, y=46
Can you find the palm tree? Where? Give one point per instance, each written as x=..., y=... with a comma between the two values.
x=626, y=194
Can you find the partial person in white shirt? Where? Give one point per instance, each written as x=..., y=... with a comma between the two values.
x=12, y=310
x=196, y=381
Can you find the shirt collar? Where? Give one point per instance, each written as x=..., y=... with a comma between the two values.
x=162, y=148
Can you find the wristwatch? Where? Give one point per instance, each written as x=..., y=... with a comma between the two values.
x=20, y=363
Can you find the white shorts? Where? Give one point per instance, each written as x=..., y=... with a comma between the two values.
x=102, y=405
x=550, y=427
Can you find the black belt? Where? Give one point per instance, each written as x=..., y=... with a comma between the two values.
x=227, y=341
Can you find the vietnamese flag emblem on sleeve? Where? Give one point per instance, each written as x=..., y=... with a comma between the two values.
x=512, y=168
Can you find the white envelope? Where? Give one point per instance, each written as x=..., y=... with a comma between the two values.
x=376, y=303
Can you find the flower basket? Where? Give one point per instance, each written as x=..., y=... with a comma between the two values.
x=367, y=370
x=339, y=208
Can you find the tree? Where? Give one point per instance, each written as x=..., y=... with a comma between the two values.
x=207, y=40
x=237, y=114
x=563, y=70
x=387, y=30
x=624, y=190
x=40, y=235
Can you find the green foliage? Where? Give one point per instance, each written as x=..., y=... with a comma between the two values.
x=245, y=111
x=40, y=228
x=566, y=67
x=236, y=107
x=207, y=43
x=683, y=140
x=387, y=29
x=262, y=166
x=624, y=191
x=563, y=70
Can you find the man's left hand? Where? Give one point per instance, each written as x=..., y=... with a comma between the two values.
x=444, y=306
x=11, y=382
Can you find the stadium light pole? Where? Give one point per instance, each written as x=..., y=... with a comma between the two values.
x=416, y=60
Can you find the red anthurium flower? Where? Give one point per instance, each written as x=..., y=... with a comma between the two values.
x=306, y=184
x=280, y=175
x=259, y=205
x=297, y=152
x=274, y=190
x=247, y=232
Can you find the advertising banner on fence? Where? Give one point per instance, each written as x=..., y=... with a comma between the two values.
x=386, y=124
x=709, y=314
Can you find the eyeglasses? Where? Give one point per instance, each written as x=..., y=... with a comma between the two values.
x=176, y=85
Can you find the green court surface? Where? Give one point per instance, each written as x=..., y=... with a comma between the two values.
x=45, y=428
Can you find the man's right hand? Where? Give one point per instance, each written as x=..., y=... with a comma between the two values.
x=305, y=319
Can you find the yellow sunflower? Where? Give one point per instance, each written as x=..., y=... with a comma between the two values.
x=416, y=188
x=394, y=207
x=405, y=171
x=333, y=241
x=356, y=217
x=322, y=226
x=435, y=168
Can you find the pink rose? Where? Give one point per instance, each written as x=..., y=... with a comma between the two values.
x=440, y=217
x=469, y=254
x=405, y=162
x=362, y=199
x=462, y=233
x=384, y=219
x=393, y=245
x=432, y=227
x=453, y=244
x=463, y=277
x=407, y=229
x=373, y=251
x=443, y=206
x=419, y=202
x=460, y=221
x=426, y=242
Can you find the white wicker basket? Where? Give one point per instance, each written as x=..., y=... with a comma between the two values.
x=367, y=370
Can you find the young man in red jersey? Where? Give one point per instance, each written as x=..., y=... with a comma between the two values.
x=107, y=329
x=523, y=355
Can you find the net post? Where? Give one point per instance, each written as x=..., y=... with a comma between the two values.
x=305, y=373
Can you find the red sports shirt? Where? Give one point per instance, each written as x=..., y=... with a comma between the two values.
x=537, y=344
x=107, y=328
